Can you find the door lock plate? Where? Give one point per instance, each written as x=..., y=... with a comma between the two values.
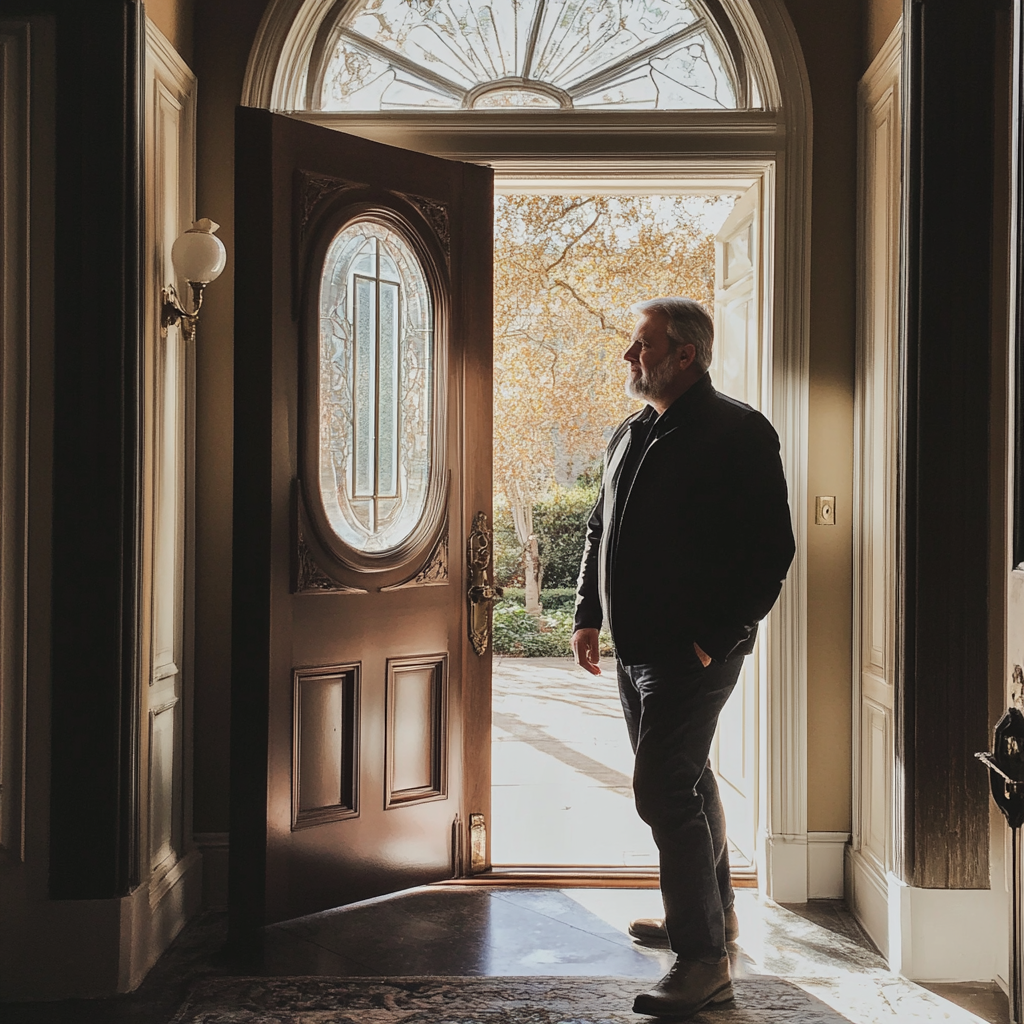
x=481, y=591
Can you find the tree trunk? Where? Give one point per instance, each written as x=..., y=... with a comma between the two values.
x=533, y=571
x=522, y=519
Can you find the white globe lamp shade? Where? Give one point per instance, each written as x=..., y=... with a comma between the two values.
x=199, y=255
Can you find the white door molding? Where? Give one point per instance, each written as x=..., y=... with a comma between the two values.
x=170, y=866
x=874, y=539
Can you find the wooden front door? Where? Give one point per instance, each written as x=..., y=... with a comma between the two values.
x=360, y=676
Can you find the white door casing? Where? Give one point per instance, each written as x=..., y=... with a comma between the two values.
x=168, y=387
x=737, y=370
x=876, y=405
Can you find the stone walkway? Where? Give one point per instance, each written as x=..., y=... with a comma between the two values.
x=562, y=769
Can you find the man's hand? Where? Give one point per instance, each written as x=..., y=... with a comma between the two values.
x=586, y=650
x=705, y=659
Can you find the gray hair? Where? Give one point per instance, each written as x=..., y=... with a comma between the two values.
x=689, y=323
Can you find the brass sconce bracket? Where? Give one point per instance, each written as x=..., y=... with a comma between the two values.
x=173, y=312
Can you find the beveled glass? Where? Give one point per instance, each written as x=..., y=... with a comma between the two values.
x=445, y=54
x=376, y=380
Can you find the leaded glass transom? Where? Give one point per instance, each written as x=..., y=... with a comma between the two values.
x=376, y=387
x=514, y=54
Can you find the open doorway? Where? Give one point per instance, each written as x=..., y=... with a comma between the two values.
x=568, y=264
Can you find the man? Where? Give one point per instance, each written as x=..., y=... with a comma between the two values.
x=686, y=551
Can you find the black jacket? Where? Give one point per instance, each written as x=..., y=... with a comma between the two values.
x=703, y=541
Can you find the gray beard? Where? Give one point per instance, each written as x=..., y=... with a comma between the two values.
x=653, y=384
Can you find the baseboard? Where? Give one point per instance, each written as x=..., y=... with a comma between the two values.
x=87, y=949
x=944, y=934
x=214, y=847
x=867, y=896
x=825, y=865
x=785, y=868
x=155, y=914
x=797, y=868
x=940, y=935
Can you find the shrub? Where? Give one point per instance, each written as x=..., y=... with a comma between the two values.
x=520, y=634
x=508, y=553
x=558, y=599
x=560, y=522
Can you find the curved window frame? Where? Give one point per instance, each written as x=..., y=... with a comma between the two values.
x=710, y=17
x=351, y=563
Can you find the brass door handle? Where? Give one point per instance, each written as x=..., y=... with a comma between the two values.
x=481, y=591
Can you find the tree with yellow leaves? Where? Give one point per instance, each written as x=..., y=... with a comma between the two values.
x=566, y=271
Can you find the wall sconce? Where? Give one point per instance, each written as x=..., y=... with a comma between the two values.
x=199, y=257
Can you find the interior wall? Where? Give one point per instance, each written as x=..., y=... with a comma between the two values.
x=175, y=19
x=830, y=36
x=880, y=17
x=832, y=39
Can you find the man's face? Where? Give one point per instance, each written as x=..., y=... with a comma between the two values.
x=653, y=363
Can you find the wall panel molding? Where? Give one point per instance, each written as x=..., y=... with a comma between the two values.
x=168, y=443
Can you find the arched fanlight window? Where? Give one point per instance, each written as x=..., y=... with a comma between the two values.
x=527, y=54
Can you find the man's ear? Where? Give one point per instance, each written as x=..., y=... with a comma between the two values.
x=687, y=356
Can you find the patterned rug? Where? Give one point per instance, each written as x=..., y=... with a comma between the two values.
x=527, y=1000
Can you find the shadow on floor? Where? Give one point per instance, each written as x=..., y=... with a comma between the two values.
x=478, y=932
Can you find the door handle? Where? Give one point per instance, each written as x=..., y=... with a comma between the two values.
x=481, y=592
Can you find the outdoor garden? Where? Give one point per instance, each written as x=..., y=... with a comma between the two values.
x=567, y=270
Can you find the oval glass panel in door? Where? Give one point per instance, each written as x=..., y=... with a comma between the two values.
x=376, y=387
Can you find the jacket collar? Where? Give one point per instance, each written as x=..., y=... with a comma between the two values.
x=677, y=412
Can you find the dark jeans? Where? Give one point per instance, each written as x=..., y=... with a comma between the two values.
x=671, y=712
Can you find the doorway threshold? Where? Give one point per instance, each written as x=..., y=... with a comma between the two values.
x=578, y=877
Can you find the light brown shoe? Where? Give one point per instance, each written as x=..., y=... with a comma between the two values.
x=688, y=987
x=650, y=931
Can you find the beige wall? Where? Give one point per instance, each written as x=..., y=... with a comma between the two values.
x=832, y=38
x=175, y=19
x=830, y=35
x=880, y=17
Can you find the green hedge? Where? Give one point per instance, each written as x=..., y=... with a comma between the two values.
x=508, y=554
x=520, y=634
x=559, y=599
x=560, y=522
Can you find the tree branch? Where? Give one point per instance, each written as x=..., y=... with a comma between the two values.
x=565, y=252
x=590, y=309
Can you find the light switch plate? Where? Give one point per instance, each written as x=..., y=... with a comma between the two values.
x=825, y=510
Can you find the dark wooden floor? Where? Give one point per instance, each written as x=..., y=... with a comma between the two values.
x=500, y=932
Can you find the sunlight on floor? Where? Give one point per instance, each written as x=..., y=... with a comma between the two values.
x=840, y=970
x=562, y=769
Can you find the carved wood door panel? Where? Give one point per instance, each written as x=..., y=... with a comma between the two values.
x=360, y=709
